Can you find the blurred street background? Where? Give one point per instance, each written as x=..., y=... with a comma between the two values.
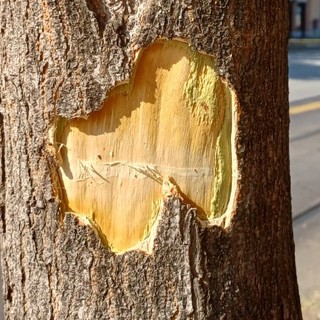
x=304, y=86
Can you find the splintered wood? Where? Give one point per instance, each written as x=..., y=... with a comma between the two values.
x=172, y=119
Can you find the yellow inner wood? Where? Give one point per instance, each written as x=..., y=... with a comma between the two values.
x=172, y=119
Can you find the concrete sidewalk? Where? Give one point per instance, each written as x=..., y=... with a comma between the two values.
x=307, y=240
x=305, y=186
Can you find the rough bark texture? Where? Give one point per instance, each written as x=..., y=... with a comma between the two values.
x=60, y=57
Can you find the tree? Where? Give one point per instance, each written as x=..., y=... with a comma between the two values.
x=144, y=160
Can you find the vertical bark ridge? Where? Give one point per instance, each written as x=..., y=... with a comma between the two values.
x=115, y=275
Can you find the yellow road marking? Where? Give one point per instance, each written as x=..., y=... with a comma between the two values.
x=305, y=107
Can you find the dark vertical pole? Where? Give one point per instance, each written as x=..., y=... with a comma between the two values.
x=290, y=19
x=303, y=19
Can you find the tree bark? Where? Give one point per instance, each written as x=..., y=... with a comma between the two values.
x=61, y=59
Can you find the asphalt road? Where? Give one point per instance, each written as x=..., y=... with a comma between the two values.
x=304, y=74
x=305, y=160
x=304, y=85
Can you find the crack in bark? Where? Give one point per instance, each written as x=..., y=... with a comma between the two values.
x=2, y=177
x=99, y=11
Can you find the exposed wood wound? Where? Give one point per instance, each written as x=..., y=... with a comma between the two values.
x=173, y=118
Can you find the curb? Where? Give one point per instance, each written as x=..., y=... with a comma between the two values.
x=304, y=43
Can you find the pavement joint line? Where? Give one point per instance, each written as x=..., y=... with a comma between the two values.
x=304, y=108
x=306, y=212
x=305, y=136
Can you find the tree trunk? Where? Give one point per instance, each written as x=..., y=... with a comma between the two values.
x=144, y=160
